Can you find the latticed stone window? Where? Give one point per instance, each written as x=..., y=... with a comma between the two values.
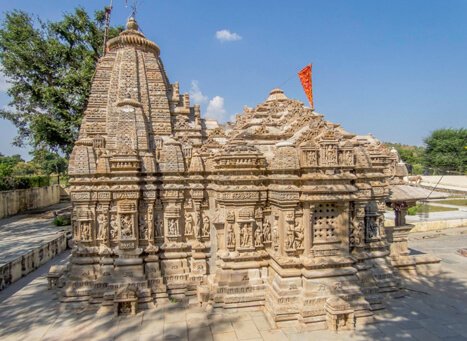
x=324, y=222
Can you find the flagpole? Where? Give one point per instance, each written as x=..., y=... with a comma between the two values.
x=312, y=104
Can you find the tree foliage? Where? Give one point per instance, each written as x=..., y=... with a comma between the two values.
x=446, y=151
x=8, y=163
x=15, y=173
x=49, y=163
x=49, y=66
x=411, y=155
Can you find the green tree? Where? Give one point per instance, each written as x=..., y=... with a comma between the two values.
x=446, y=151
x=50, y=66
x=49, y=163
x=7, y=166
x=10, y=161
x=411, y=155
x=25, y=168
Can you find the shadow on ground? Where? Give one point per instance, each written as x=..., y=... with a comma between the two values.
x=433, y=309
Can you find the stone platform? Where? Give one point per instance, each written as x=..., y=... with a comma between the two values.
x=432, y=309
x=28, y=241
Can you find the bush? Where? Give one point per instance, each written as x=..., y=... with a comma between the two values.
x=413, y=210
x=62, y=220
x=8, y=183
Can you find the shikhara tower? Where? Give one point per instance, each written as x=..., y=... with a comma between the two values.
x=280, y=209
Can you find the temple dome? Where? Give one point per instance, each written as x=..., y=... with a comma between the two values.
x=133, y=37
x=276, y=95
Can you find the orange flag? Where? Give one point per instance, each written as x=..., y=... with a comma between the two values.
x=305, y=78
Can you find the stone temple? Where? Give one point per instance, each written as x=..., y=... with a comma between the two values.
x=280, y=210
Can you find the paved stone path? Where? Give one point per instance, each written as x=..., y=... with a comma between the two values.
x=448, y=182
x=433, y=309
x=21, y=233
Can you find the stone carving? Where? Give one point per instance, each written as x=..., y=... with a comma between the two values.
x=299, y=235
x=189, y=224
x=113, y=227
x=126, y=226
x=86, y=230
x=288, y=195
x=173, y=227
x=143, y=225
x=246, y=237
x=356, y=233
x=102, y=224
x=206, y=226
x=230, y=236
x=371, y=228
x=290, y=242
x=158, y=224
x=275, y=234
x=258, y=237
x=197, y=227
x=267, y=231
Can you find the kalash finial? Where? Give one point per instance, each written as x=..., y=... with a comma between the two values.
x=131, y=24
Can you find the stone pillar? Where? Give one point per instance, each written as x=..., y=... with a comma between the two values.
x=150, y=222
x=281, y=231
x=343, y=223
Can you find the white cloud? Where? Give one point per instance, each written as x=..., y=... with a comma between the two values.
x=4, y=86
x=215, y=106
x=216, y=109
x=226, y=35
x=196, y=94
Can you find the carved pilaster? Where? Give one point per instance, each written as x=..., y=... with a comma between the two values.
x=307, y=225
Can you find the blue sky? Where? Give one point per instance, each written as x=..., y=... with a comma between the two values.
x=394, y=68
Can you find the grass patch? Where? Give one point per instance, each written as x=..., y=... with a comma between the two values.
x=458, y=202
x=428, y=208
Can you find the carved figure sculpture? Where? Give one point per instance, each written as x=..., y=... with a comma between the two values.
x=371, y=228
x=298, y=236
x=275, y=234
x=85, y=230
x=143, y=226
x=113, y=227
x=173, y=227
x=267, y=231
x=197, y=227
x=188, y=224
x=102, y=226
x=206, y=226
x=158, y=225
x=258, y=237
x=243, y=235
x=230, y=236
x=126, y=225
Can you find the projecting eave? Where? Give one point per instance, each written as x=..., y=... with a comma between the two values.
x=400, y=193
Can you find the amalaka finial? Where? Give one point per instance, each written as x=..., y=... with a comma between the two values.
x=131, y=24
